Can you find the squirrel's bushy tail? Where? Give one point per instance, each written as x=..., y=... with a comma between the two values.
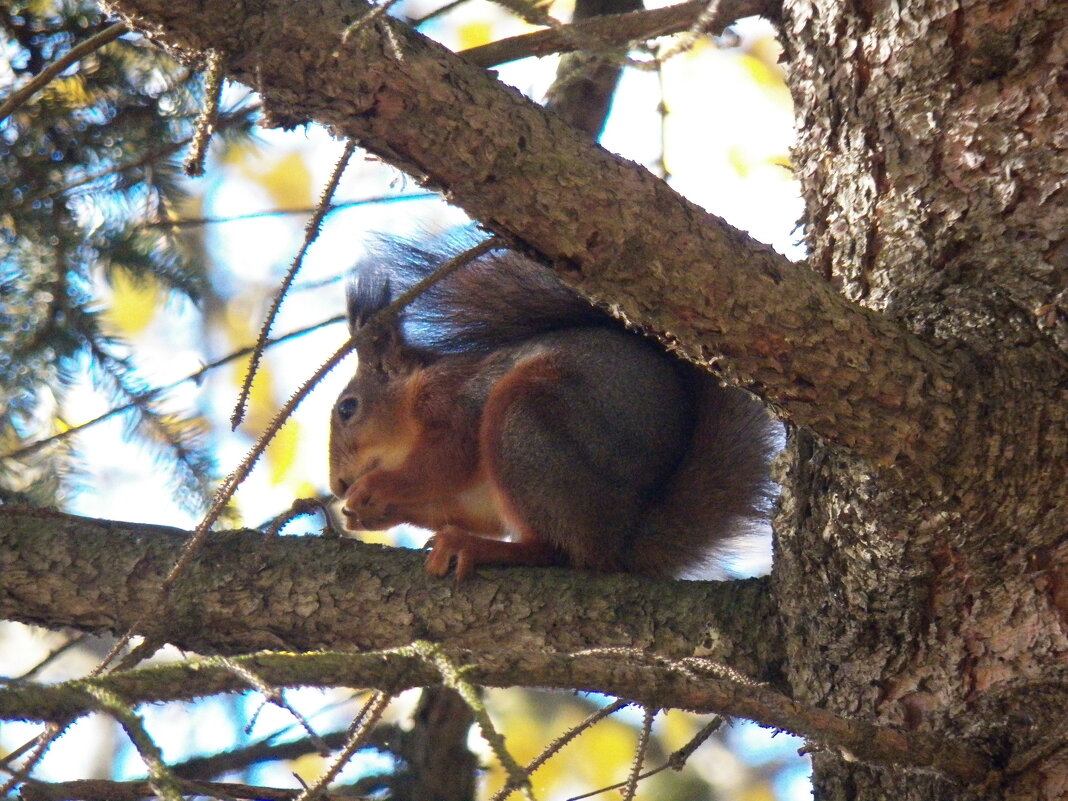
x=722, y=488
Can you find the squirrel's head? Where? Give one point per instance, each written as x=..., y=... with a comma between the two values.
x=369, y=423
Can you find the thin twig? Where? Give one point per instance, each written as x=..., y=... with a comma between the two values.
x=556, y=745
x=299, y=508
x=452, y=676
x=311, y=233
x=163, y=782
x=39, y=745
x=54, y=654
x=273, y=695
x=703, y=22
x=255, y=215
x=631, y=788
x=76, y=53
x=33, y=447
x=676, y=761
x=364, y=724
x=613, y=31
x=376, y=12
x=137, y=790
x=437, y=12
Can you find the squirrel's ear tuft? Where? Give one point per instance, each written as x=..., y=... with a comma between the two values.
x=368, y=291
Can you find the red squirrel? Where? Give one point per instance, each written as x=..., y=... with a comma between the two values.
x=525, y=426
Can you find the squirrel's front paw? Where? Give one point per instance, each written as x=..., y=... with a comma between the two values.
x=448, y=544
x=363, y=509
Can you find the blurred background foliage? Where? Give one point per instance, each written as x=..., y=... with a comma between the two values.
x=129, y=292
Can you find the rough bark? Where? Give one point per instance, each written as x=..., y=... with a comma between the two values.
x=933, y=158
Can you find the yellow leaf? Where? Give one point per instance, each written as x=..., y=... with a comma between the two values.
x=282, y=452
x=758, y=791
x=133, y=303
x=288, y=182
x=308, y=767
x=69, y=91
x=740, y=159
x=474, y=34
x=760, y=72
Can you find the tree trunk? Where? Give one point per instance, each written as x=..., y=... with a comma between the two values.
x=932, y=154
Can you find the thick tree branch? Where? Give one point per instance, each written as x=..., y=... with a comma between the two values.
x=610, y=227
x=245, y=591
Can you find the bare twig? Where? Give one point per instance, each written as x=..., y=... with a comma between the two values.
x=311, y=233
x=614, y=31
x=191, y=222
x=375, y=13
x=363, y=725
x=273, y=695
x=33, y=447
x=453, y=677
x=163, y=782
x=299, y=508
x=54, y=654
x=37, y=748
x=675, y=761
x=437, y=12
x=104, y=790
x=556, y=745
x=631, y=788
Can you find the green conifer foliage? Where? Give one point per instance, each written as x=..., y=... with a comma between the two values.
x=89, y=165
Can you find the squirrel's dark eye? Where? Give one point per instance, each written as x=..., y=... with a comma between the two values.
x=346, y=408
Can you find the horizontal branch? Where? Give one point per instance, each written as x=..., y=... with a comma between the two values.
x=105, y=790
x=617, y=30
x=245, y=591
x=611, y=228
x=697, y=685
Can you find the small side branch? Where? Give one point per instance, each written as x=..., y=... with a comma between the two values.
x=75, y=54
x=615, y=30
x=656, y=683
